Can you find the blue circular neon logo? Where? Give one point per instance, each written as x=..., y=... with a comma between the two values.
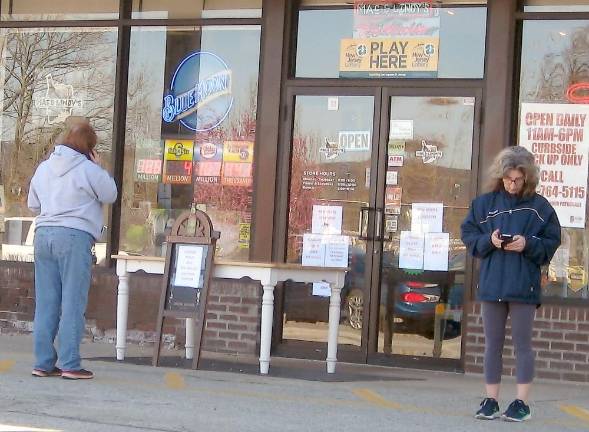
x=200, y=92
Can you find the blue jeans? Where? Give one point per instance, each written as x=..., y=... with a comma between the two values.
x=63, y=264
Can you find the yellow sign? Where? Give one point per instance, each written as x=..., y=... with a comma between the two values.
x=178, y=150
x=244, y=235
x=238, y=151
x=389, y=57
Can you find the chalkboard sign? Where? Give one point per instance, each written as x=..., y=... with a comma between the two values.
x=189, y=262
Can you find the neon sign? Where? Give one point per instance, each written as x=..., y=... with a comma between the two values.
x=578, y=93
x=187, y=99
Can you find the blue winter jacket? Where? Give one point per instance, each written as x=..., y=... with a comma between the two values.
x=504, y=275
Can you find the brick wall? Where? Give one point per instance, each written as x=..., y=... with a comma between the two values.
x=560, y=340
x=233, y=316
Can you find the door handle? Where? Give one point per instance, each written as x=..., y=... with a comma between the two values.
x=363, y=228
x=379, y=215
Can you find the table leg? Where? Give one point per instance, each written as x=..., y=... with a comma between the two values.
x=189, y=345
x=122, y=314
x=334, y=315
x=266, y=331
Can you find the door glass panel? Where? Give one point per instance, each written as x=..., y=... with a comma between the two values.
x=330, y=184
x=426, y=198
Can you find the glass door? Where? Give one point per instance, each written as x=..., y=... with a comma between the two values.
x=379, y=180
x=331, y=193
x=426, y=180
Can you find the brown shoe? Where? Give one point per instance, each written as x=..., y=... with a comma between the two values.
x=55, y=372
x=77, y=374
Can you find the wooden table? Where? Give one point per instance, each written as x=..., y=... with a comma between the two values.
x=269, y=274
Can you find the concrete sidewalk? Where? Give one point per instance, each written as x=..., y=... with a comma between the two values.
x=228, y=395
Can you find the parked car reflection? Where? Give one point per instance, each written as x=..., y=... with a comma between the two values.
x=18, y=238
x=407, y=299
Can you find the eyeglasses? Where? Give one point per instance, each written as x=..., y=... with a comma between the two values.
x=516, y=181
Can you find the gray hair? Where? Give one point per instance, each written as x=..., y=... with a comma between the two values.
x=514, y=158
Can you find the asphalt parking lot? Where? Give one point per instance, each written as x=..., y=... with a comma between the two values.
x=227, y=394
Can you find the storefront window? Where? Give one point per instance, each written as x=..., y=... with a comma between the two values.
x=371, y=41
x=47, y=75
x=556, y=6
x=144, y=9
x=554, y=125
x=28, y=10
x=191, y=125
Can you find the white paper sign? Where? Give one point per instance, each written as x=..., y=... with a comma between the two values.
x=395, y=161
x=558, y=136
x=336, y=251
x=327, y=220
x=188, y=266
x=313, y=250
x=392, y=177
x=321, y=289
x=436, y=251
x=332, y=103
x=427, y=217
x=401, y=129
x=559, y=264
x=411, y=250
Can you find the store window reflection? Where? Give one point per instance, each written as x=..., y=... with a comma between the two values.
x=170, y=9
x=38, y=10
x=556, y=6
x=555, y=80
x=340, y=42
x=47, y=75
x=191, y=123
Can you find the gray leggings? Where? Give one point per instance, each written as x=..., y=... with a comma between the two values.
x=522, y=320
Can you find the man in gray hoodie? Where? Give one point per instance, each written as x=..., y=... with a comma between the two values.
x=67, y=192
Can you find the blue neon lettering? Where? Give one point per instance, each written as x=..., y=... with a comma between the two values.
x=177, y=105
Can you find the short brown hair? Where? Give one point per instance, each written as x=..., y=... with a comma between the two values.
x=78, y=134
x=514, y=158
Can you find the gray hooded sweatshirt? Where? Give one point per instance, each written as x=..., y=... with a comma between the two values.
x=68, y=190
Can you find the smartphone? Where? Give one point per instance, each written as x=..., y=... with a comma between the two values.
x=506, y=238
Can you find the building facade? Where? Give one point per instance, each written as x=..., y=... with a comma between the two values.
x=324, y=133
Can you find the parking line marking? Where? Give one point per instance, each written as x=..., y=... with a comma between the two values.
x=576, y=411
x=174, y=381
x=6, y=365
x=375, y=399
x=12, y=428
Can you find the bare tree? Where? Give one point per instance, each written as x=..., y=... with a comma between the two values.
x=559, y=70
x=36, y=62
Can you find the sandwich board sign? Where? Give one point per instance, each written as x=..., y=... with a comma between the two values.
x=187, y=275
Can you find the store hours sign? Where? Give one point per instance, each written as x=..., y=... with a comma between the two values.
x=200, y=95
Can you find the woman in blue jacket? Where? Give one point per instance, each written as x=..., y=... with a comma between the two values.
x=513, y=231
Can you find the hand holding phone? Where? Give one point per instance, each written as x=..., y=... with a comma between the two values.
x=506, y=238
x=94, y=157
